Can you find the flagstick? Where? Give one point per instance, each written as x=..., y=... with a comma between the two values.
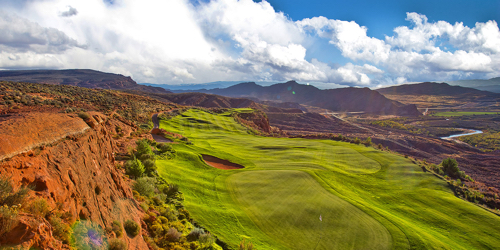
x=320, y=229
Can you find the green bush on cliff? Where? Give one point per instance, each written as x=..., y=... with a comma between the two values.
x=135, y=168
x=132, y=228
x=145, y=186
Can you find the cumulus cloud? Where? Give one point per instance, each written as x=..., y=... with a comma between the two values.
x=416, y=52
x=176, y=42
x=70, y=12
x=20, y=35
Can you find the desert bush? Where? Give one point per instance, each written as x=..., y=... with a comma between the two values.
x=245, y=246
x=60, y=229
x=368, y=142
x=8, y=218
x=143, y=148
x=164, y=147
x=134, y=167
x=17, y=197
x=132, y=228
x=149, y=166
x=5, y=188
x=145, y=186
x=195, y=234
x=84, y=115
x=172, y=235
x=116, y=244
x=116, y=227
x=172, y=190
x=206, y=240
x=88, y=235
x=38, y=207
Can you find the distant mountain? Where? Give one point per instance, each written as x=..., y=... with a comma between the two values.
x=431, y=88
x=343, y=99
x=183, y=88
x=492, y=85
x=77, y=77
x=214, y=101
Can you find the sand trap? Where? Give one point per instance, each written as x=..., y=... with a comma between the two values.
x=160, y=138
x=220, y=163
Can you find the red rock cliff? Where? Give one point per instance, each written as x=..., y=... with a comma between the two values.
x=72, y=167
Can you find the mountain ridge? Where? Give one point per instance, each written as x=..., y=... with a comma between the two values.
x=77, y=77
x=342, y=99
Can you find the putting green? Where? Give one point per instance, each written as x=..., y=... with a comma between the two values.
x=368, y=199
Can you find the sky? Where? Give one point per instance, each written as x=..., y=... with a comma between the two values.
x=328, y=43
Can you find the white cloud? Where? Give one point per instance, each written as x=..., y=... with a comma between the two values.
x=20, y=35
x=175, y=42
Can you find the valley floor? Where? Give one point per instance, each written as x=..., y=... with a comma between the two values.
x=316, y=194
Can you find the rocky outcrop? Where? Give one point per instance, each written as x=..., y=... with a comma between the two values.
x=76, y=173
x=22, y=132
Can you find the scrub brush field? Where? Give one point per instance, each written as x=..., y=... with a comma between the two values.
x=366, y=198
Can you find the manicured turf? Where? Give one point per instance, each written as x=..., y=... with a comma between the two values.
x=464, y=113
x=368, y=199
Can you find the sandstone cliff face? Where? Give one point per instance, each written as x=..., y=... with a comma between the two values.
x=75, y=173
x=22, y=132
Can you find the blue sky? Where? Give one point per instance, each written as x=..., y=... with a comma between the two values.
x=327, y=43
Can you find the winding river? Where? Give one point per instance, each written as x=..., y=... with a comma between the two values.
x=458, y=135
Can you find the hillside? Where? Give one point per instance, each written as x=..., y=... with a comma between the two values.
x=77, y=77
x=217, y=101
x=441, y=95
x=431, y=88
x=343, y=100
x=492, y=85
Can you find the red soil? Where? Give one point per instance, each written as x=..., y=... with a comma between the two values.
x=220, y=163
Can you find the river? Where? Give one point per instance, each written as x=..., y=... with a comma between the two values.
x=458, y=135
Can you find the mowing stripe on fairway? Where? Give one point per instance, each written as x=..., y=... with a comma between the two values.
x=287, y=183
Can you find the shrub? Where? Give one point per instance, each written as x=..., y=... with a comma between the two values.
x=116, y=244
x=172, y=189
x=135, y=167
x=145, y=186
x=149, y=166
x=450, y=166
x=116, y=227
x=17, y=197
x=132, y=228
x=172, y=235
x=195, y=234
x=84, y=115
x=368, y=141
x=8, y=218
x=143, y=148
x=61, y=230
x=206, y=240
x=5, y=188
x=38, y=207
x=164, y=147
x=244, y=246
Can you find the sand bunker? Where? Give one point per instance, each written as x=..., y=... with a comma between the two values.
x=160, y=138
x=220, y=163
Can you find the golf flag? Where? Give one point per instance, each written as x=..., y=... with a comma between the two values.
x=320, y=219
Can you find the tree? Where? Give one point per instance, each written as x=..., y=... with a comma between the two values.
x=450, y=167
x=143, y=149
x=135, y=167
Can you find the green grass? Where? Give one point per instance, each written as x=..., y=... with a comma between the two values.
x=464, y=113
x=368, y=199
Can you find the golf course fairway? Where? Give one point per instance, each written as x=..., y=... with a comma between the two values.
x=367, y=199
